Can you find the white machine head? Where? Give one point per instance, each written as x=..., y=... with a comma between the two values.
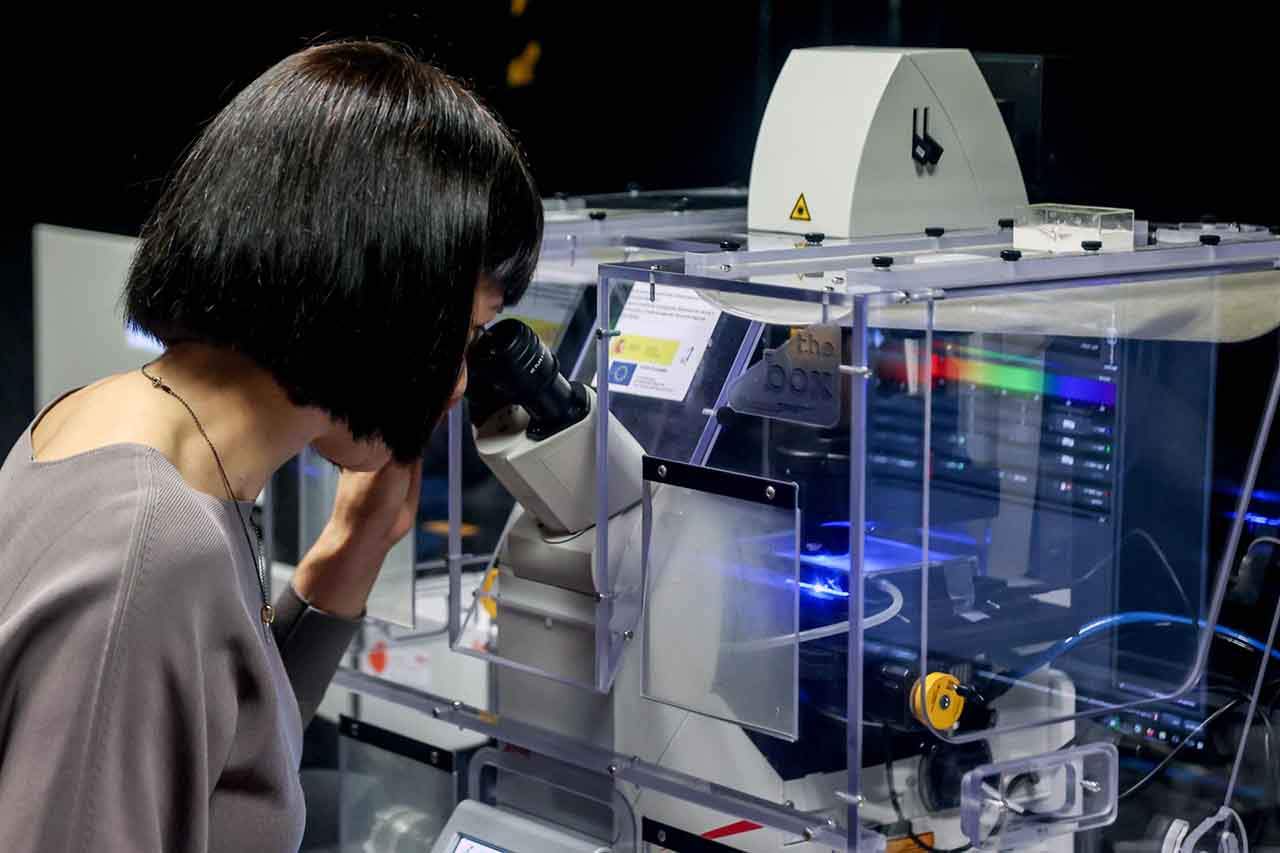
x=863, y=141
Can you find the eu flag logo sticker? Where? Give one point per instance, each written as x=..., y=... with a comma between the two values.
x=620, y=372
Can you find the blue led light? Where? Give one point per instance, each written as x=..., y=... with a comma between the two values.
x=1258, y=494
x=827, y=588
x=1256, y=518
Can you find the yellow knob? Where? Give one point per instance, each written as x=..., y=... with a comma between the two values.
x=942, y=704
x=487, y=601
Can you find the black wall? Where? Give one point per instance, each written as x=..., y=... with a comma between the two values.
x=1150, y=106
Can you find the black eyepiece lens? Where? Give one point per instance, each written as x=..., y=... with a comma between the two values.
x=509, y=361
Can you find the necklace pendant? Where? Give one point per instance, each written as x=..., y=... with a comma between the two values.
x=268, y=614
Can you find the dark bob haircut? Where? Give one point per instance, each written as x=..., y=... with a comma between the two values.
x=332, y=223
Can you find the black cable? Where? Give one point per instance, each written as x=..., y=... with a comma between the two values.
x=1269, y=734
x=1155, y=771
x=1164, y=561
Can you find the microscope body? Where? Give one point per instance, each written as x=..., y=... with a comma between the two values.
x=549, y=573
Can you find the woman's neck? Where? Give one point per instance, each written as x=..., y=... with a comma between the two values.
x=244, y=412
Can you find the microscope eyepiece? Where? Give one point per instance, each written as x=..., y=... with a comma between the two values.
x=510, y=364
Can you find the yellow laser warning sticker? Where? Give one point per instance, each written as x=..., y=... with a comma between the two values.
x=800, y=210
x=645, y=350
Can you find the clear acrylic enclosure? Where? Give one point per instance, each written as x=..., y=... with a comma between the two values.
x=1033, y=463
x=1026, y=485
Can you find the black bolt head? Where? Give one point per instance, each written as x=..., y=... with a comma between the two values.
x=597, y=215
x=1210, y=239
x=934, y=231
x=814, y=238
x=882, y=262
x=1005, y=223
x=730, y=245
x=1010, y=255
x=1091, y=245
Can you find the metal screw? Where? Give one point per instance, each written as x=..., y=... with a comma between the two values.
x=831, y=824
x=662, y=471
x=457, y=706
x=790, y=804
x=435, y=757
x=613, y=769
x=944, y=703
x=435, y=712
x=808, y=834
x=662, y=836
x=770, y=492
x=1091, y=786
x=628, y=635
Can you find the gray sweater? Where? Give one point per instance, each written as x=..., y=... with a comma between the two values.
x=143, y=704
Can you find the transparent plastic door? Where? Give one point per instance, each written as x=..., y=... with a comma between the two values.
x=721, y=610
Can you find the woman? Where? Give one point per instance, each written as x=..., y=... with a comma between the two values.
x=316, y=270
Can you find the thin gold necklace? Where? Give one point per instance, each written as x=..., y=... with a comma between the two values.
x=268, y=612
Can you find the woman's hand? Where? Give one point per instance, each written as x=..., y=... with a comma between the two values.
x=377, y=507
x=372, y=512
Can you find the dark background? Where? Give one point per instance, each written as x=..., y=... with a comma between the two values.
x=1162, y=108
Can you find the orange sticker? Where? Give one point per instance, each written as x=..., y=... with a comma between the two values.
x=378, y=657
x=906, y=845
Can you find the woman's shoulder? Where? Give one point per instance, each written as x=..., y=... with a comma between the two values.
x=195, y=545
x=120, y=517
